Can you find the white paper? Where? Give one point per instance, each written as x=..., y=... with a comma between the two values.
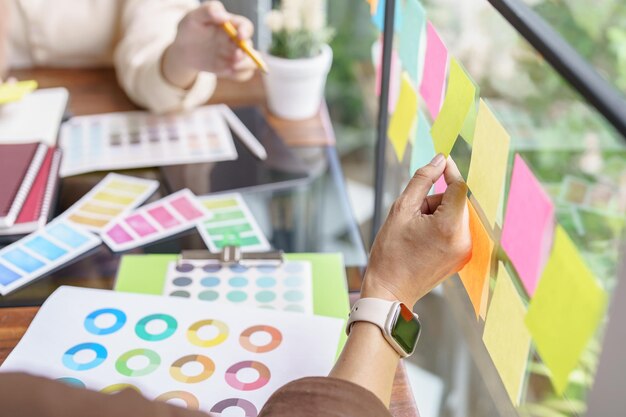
x=141, y=139
x=288, y=287
x=308, y=346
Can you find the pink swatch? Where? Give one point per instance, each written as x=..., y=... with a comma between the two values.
x=528, y=225
x=163, y=217
x=394, y=77
x=140, y=225
x=186, y=208
x=435, y=67
x=119, y=235
x=440, y=185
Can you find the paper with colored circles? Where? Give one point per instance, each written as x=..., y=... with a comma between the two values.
x=205, y=356
x=286, y=287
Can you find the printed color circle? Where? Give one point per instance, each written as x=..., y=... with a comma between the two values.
x=265, y=296
x=90, y=321
x=154, y=360
x=237, y=296
x=211, y=267
x=276, y=335
x=192, y=333
x=294, y=295
x=182, y=281
x=176, y=370
x=248, y=408
x=187, y=397
x=238, y=282
x=266, y=282
x=74, y=382
x=70, y=363
x=112, y=389
x=294, y=307
x=210, y=282
x=238, y=268
x=170, y=322
x=179, y=293
x=208, y=295
x=266, y=268
x=294, y=281
x=262, y=380
x=184, y=267
x=293, y=267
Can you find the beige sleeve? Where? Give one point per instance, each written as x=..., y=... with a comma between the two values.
x=147, y=28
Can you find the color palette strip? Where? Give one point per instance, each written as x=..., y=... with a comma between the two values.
x=41, y=252
x=232, y=224
x=114, y=196
x=166, y=217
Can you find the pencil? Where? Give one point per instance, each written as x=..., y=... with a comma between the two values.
x=232, y=32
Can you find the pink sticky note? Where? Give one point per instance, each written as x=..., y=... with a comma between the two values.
x=440, y=185
x=528, y=225
x=434, y=77
x=394, y=76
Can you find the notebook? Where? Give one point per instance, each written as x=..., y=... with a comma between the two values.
x=19, y=165
x=45, y=106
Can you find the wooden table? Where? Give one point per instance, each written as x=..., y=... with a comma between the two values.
x=96, y=91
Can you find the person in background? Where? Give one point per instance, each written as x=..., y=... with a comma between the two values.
x=424, y=240
x=167, y=53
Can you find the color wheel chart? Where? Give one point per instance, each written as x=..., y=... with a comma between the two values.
x=286, y=287
x=218, y=358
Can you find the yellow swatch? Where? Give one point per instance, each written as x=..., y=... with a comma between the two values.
x=565, y=310
x=456, y=106
x=403, y=117
x=109, y=211
x=113, y=198
x=127, y=186
x=10, y=92
x=476, y=271
x=490, y=154
x=505, y=336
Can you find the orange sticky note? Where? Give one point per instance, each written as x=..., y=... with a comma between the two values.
x=476, y=272
x=403, y=117
x=373, y=6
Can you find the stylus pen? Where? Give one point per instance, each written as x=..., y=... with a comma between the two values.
x=244, y=135
x=232, y=32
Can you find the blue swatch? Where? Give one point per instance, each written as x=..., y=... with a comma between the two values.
x=238, y=282
x=67, y=235
x=266, y=282
x=45, y=248
x=379, y=17
x=210, y=282
x=22, y=260
x=7, y=276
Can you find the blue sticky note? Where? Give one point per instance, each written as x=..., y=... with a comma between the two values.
x=45, y=248
x=23, y=260
x=379, y=17
x=67, y=235
x=411, y=34
x=423, y=146
x=7, y=276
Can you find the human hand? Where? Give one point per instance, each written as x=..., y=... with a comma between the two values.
x=202, y=45
x=425, y=238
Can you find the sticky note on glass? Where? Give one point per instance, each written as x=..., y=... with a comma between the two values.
x=506, y=337
x=114, y=196
x=565, y=311
x=487, y=171
x=434, y=76
x=403, y=117
x=423, y=149
x=476, y=271
x=528, y=225
x=456, y=107
x=394, y=75
x=379, y=16
x=411, y=38
x=373, y=6
x=231, y=224
x=10, y=92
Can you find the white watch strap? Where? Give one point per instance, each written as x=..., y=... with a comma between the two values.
x=373, y=310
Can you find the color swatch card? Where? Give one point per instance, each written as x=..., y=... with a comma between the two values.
x=155, y=221
x=285, y=287
x=217, y=358
x=141, y=139
x=231, y=224
x=42, y=252
x=114, y=196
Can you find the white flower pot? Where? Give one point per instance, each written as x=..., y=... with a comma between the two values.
x=295, y=87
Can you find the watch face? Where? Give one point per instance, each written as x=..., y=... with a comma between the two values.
x=406, y=329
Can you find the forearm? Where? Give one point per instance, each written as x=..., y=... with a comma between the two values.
x=368, y=360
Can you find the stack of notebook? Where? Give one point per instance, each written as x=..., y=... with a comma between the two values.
x=29, y=175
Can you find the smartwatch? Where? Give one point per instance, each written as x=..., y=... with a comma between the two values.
x=399, y=325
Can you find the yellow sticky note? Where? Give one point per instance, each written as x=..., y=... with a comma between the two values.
x=403, y=117
x=456, y=106
x=10, y=92
x=490, y=154
x=565, y=310
x=476, y=271
x=506, y=338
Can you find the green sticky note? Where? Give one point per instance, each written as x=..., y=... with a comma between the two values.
x=423, y=148
x=411, y=36
x=565, y=310
x=456, y=106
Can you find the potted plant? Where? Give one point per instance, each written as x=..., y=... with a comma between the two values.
x=298, y=59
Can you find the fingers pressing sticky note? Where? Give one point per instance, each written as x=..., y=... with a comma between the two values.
x=403, y=117
x=434, y=77
x=488, y=163
x=565, y=311
x=456, y=107
x=10, y=92
x=476, y=272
